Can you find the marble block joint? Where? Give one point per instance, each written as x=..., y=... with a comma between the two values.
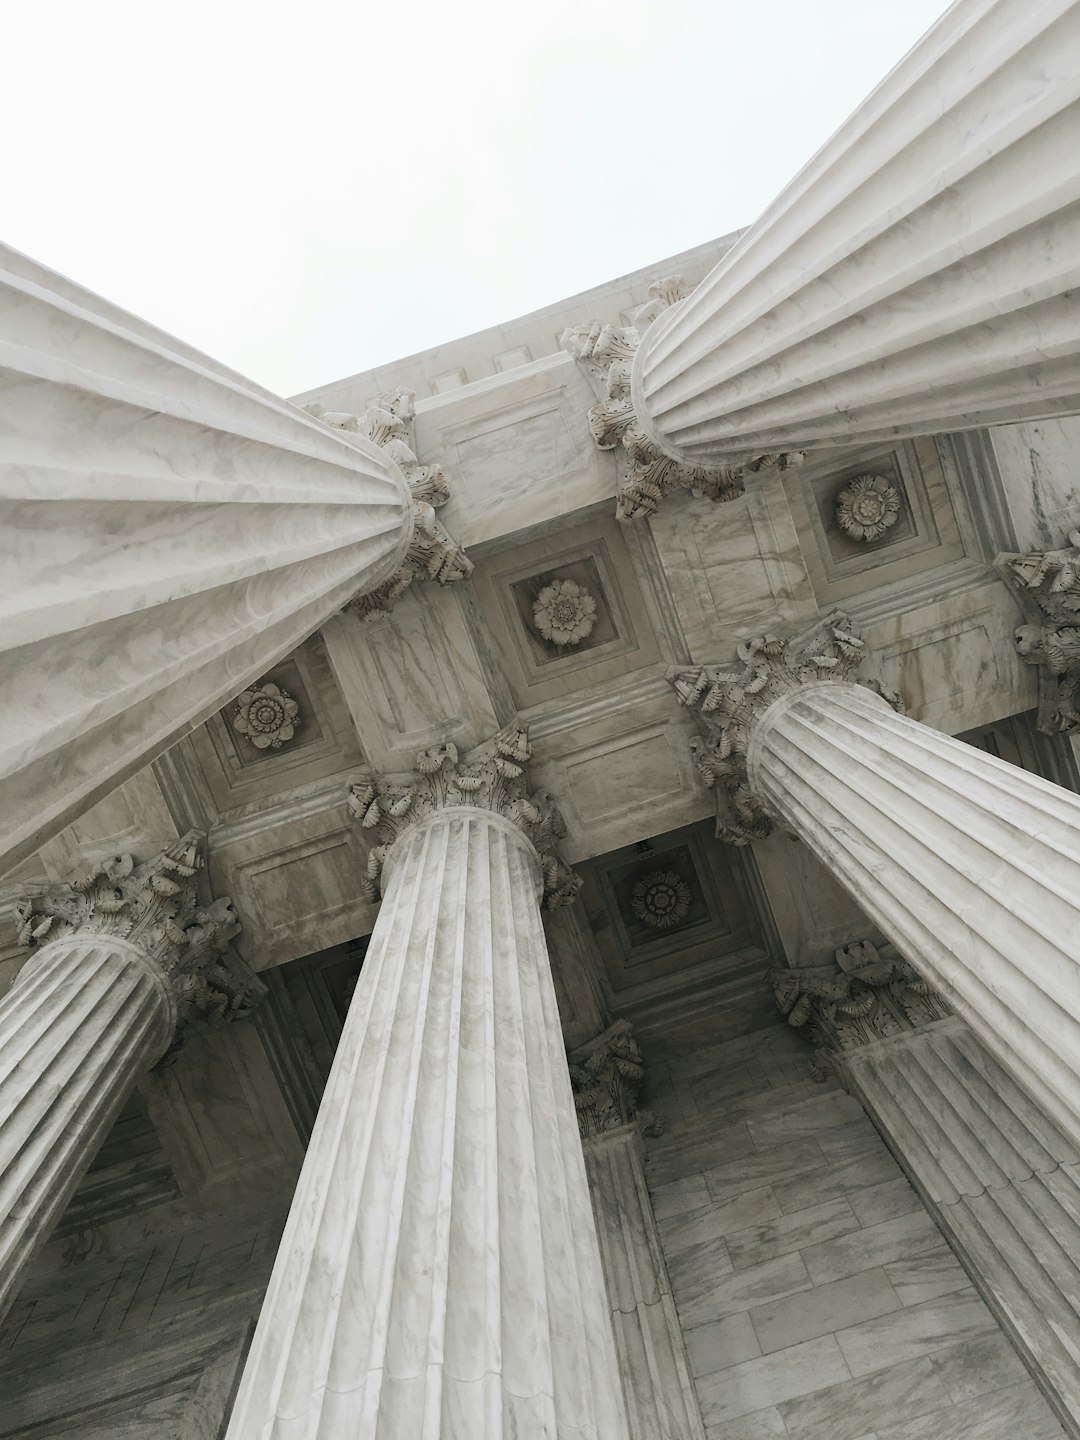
x=439, y=1274
x=916, y=277
x=432, y=553
x=646, y=474
x=122, y=957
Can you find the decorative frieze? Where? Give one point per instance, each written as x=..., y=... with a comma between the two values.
x=267, y=716
x=729, y=703
x=1047, y=585
x=867, y=995
x=491, y=777
x=646, y=473
x=606, y=1074
x=433, y=554
x=154, y=906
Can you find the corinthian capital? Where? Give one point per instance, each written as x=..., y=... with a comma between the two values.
x=867, y=995
x=433, y=554
x=729, y=704
x=646, y=473
x=156, y=907
x=1046, y=584
x=606, y=1075
x=491, y=777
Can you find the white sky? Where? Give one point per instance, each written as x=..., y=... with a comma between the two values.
x=305, y=192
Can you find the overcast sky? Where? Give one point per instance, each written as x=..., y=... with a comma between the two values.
x=305, y=191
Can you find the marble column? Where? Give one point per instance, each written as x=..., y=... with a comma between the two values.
x=661, y=1404
x=120, y=958
x=439, y=1276
x=170, y=530
x=917, y=276
x=969, y=865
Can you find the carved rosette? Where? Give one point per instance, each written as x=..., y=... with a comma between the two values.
x=433, y=554
x=867, y=995
x=867, y=507
x=1047, y=585
x=729, y=704
x=661, y=899
x=267, y=716
x=646, y=474
x=606, y=1075
x=156, y=907
x=491, y=777
x=564, y=613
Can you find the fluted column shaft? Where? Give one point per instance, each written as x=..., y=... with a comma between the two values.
x=660, y=1399
x=172, y=531
x=999, y=1177
x=85, y=1017
x=439, y=1273
x=969, y=865
x=917, y=276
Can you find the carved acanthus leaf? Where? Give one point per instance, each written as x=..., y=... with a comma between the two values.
x=728, y=704
x=606, y=1076
x=433, y=554
x=1047, y=585
x=491, y=777
x=646, y=475
x=867, y=995
x=155, y=906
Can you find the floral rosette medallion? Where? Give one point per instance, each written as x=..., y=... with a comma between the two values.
x=267, y=716
x=661, y=899
x=564, y=612
x=867, y=507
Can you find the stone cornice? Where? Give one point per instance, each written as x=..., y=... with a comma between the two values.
x=432, y=553
x=155, y=907
x=647, y=471
x=866, y=996
x=606, y=1075
x=491, y=777
x=1046, y=584
x=729, y=705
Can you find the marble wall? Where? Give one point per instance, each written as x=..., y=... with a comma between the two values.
x=817, y=1297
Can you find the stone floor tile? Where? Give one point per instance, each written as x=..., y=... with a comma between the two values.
x=826, y=1308
x=884, y=1202
x=677, y=1232
x=875, y=1245
x=906, y=1334
x=735, y=1177
x=918, y=1278
x=758, y=1384
x=723, y=1343
x=832, y=1111
x=830, y=1182
x=977, y=1366
x=762, y=1425
x=679, y=1197
x=1017, y=1413
x=701, y=1298
x=851, y=1142
x=844, y=1411
x=687, y=1157
x=772, y=1237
